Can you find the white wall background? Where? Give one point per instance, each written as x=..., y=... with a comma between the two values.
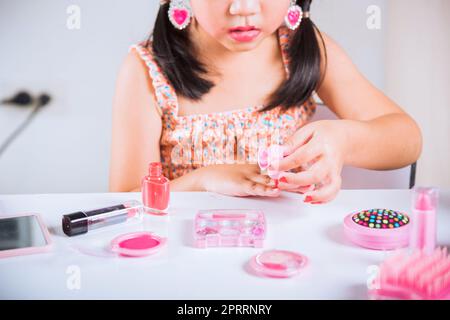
x=66, y=149
x=418, y=77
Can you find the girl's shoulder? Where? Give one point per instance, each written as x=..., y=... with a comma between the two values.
x=142, y=52
x=134, y=78
x=333, y=54
x=134, y=67
x=163, y=93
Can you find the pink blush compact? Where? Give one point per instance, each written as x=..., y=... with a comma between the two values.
x=137, y=244
x=278, y=263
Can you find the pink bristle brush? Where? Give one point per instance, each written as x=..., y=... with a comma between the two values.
x=418, y=276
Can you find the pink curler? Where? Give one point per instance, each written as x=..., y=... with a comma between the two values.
x=419, y=276
x=378, y=229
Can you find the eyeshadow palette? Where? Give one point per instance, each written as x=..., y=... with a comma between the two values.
x=229, y=228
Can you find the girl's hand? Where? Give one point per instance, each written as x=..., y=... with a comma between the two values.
x=318, y=149
x=240, y=180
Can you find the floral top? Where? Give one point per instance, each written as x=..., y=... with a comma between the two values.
x=193, y=141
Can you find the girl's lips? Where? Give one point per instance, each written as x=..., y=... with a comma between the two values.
x=244, y=34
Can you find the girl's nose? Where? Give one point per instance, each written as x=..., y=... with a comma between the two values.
x=245, y=7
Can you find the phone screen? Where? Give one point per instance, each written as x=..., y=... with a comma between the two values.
x=21, y=232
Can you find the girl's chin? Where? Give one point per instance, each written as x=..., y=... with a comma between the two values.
x=241, y=46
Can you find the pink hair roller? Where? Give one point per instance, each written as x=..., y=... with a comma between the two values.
x=419, y=276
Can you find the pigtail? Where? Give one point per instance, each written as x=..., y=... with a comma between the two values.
x=304, y=65
x=175, y=56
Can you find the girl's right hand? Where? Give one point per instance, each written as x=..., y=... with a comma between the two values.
x=239, y=180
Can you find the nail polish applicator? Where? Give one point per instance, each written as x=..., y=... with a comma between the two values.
x=269, y=160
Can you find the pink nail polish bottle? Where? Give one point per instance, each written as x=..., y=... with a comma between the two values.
x=269, y=160
x=155, y=190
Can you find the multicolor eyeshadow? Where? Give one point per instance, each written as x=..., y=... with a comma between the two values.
x=381, y=219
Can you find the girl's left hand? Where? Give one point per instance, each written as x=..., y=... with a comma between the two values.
x=318, y=149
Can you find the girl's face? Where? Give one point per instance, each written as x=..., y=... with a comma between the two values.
x=239, y=25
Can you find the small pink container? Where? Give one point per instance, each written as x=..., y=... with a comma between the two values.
x=137, y=244
x=278, y=263
x=229, y=228
x=378, y=229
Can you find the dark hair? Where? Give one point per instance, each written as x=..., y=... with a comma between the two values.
x=177, y=59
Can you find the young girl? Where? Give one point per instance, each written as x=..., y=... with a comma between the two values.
x=220, y=79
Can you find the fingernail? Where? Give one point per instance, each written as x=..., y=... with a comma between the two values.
x=308, y=199
x=317, y=202
x=283, y=179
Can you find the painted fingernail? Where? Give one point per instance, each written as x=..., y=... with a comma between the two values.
x=317, y=202
x=283, y=179
x=308, y=199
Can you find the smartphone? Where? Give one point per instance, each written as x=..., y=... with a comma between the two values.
x=23, y=234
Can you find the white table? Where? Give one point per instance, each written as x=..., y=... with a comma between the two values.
x=337, y=270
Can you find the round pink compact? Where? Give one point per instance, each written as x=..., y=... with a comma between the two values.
x=137, y=244
x=378, y=229
x=278, y=263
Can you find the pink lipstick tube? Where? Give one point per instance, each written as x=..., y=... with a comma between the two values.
x=423, y=219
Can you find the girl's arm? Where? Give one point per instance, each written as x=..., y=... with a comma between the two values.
x=373, y=132
x=136, y=126
x=379, y=133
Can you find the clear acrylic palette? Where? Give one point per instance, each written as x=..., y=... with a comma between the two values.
x=229, y=228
